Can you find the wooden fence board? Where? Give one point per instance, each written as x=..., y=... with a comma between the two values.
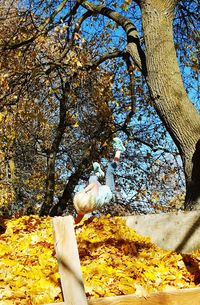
x=177, y=231
x=176, y=297
x=61, y=303
x=68, y=261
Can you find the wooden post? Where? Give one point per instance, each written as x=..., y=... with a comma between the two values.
x=68, y=261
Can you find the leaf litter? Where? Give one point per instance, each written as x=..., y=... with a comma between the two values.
x=115, y=260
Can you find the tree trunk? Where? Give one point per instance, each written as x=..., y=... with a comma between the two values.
x=52, y=153
x=50, y=184
x=169, y=96
x=63, y=203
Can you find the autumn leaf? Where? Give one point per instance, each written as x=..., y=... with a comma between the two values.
x=115, y=260
x=28, y=267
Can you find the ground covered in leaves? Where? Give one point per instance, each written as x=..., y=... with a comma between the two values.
x=117, y=261
x=28, y=267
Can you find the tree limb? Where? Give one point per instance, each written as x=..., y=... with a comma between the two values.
x=41, y=29
x=103, y=58
x=133, y=42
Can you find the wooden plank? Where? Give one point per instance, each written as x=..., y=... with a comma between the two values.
x=176, y=297
x=68, y=261
x=61, y=303
x=177, y=231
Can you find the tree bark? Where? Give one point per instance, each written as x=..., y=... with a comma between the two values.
x=167, y=91
x=50, y=183
x=51, y=159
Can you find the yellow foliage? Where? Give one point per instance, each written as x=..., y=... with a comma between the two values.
x=116, y=260
x=7, y=194
x=28, y=267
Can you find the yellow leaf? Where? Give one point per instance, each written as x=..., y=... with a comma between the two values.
x=75, y=125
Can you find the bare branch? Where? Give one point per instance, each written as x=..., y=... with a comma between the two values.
x=133, y=42
x=153, y=147
x=103, y=58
